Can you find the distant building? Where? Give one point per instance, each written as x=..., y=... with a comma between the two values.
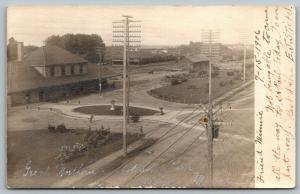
x=194, y=63
x=50, y=73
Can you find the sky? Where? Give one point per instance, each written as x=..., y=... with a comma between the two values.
x=161, y=25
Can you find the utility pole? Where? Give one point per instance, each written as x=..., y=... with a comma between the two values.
x=128, y=35
x=178, y=57
x=244, y=36
x=210, y=49
x=212, y=122
x=100, y=49
x=245, y=50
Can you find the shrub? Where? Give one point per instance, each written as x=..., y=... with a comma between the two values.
x=61, y=128
x=135, y=117
x=222, y=83
x=184, y=79
x=94, y=138
x=230, y=73
x=214, y=74
x=174, y=81
x=202, y=73
x=51, y=128
x=215, y=67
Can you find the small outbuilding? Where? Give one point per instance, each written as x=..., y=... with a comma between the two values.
x=195, y=63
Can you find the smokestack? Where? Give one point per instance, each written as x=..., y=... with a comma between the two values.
x=20, y=51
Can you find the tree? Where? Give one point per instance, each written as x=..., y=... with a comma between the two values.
x=29, y=48
x=82, y=44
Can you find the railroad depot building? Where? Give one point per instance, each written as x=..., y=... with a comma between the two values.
x=194, y=63
x=50, y=73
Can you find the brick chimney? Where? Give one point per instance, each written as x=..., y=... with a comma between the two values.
x=20, y=51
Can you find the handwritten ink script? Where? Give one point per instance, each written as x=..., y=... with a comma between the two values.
x=61, y=171
x=274, y=52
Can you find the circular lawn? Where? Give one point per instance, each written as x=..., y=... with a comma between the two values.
x=105, y=110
